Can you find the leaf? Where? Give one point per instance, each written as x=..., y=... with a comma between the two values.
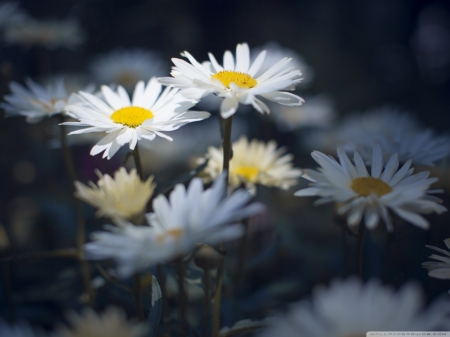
x=154, y=315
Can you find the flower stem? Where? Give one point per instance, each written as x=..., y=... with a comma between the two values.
x=207, y=301
x=137, y=162
x=181, y=294
x=137, y=293
x=81, y=230
x=162, y=285
x=359, y=249
x=226, y=144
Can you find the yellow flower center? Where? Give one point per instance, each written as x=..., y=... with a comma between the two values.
x=175, y=233
x=131, y=116
x=242, y=80
x=368, y=185
x=248, y=172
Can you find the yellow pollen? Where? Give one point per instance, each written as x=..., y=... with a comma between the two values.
x=131, y=116
x=176, y=233
x=242, y=80
x=368, y=185
x=247, y=172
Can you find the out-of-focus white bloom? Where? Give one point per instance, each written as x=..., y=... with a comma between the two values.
x=440, y=269
x=253, y=163
x=51, y=33
x=122, y=198
x=190, y=216
x=36, y=101
x=11, y=14
x=236, y=82
x=276, y=52
x=396, y=132
x=350, y=309
x=318, y=112
x=17, y=330
x=111, y=323
x=149, y=113
x=127, y=67
x=371, y=195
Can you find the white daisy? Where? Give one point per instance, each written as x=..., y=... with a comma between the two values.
x=348, y=308
x=276, y=52
x=127, y=67
x=190, y=216
x=36, y=101
x=440, y=269
x=236, y=82
x=11, y=14
x=111, y=323
x=145, y=116
x=371, y=195
x=319, y=112
x=122, y=198
x=396, y=132
x=253, y=163
x=51, y=33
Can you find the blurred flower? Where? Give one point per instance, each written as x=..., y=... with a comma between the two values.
x=236, y=82
x=350, y=308
x=441, y=269
x=253, y=163
x=122, y=198
x=372, y=194
x=51, y=34
x=11, y=14
x=17, y=330
x=276, y=52
x=111, y=323
x=36, y=102
x=396, y=132
x=125, y=121
x=318, y=112
x=189, y=217
x=127, y=67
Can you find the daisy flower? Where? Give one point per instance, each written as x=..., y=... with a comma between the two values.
x=127, y=67
x=254, y=162
x=51, y=33
x=396, y=132
x=440, y=269
x=349, y=308
x=121, y=198
x=35, y=101
x=236, y=81
x=145, y=116
x=371, y=195
x=190, y=216
x=111, y=323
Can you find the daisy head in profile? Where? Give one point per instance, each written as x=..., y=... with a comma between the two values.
x=149, y=113
x=237, y=81
x=35, y=101
x=370, y=195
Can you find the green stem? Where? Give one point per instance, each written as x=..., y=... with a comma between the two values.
x=359, y=249
x=138, y=162
x=81, y=230
x=162, y=285
x=113, y=279
x=227, y=154
x=207, y=301
x=181, y=294
x=137, y=293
